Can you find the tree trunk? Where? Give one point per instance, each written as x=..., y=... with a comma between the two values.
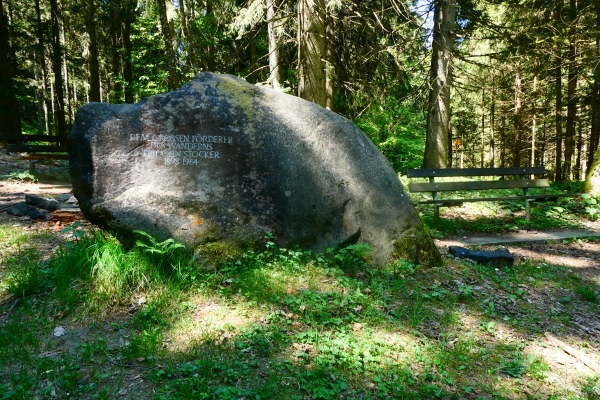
x=329, y=63
x=116, y=89
x=492, y=139
x=59, y=101
x=66, y=79
x=210, y=62
x=571, y=95
x=188, y=37
x=10, y=121
x=482, y=128
x=274, y=70
x=595, y=128
x=311, y=51
x=518, y=122
x=577, y=174
x=533, y=123
x=438, y=110
x=253, y=60
x=592, y=178
x=90, y=24
x=43, y=89
x=165, y=27
x=558, y=100
x=127, y=68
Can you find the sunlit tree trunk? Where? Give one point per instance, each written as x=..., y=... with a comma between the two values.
x=329, y=63
x=492, y=139
x=167, y=34
x=44, y=87
x=571, y=95
x=311, y=51
x=437, y=144
x=90, y=24
x=59, y=101
x=518, y=121
x=275, y=70
x=188, y=37
x=127, y=68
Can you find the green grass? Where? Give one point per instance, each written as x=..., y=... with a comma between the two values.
x=148, y=322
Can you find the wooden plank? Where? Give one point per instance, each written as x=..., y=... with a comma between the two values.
x=35, y=148
x=446, y=172
x=477, y=185
x=32, y=138
x=53, y=156
x=539, y=197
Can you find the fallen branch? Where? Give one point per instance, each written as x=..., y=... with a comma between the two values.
x=573, y=352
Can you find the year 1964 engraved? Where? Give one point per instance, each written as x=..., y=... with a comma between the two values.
x=190, y=161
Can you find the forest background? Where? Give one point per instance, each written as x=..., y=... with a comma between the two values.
x=485, y=83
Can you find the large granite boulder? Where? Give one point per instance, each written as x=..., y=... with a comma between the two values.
x=223, y=161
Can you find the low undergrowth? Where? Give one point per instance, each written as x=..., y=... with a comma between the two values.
x=148, y=322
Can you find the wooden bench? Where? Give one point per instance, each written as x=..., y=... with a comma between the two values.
x=523, y=183
x=18, y=143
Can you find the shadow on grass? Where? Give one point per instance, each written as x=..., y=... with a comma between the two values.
x=328, y=327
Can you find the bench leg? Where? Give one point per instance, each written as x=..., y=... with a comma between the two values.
x=436, y=213
x=528, y=210
x=32, y=166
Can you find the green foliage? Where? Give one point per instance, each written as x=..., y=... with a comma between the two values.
x=588, y=293
x=20, y=176
x=397, y=129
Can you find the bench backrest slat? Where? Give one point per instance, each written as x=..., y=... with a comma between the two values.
x=447, y=172
x=477, y=185
x=15, y=138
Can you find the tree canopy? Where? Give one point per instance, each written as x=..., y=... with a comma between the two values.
x=522, y=78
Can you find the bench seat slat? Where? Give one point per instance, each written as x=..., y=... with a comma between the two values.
x=477, y=185
x=539, y=197
x=32, y=148
x=447, y=172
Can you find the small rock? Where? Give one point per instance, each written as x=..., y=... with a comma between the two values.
x=357, y=326
x=72, y=200
x=42, y=202
x=59, y=331
x=63, y=197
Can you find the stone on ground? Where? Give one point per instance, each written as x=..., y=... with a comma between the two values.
x=221, y=162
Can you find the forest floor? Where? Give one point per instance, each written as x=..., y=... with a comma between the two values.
x=288, y=324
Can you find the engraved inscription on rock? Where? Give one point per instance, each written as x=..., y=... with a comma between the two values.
x=181, y=149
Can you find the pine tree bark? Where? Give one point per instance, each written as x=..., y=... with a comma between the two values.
x=210, y=59
x=274, y=69
x=437, y=144
x=558, y=100
x=188, y=37
x=60, y=127
x=592, y=178
x=40, y=52
x=90, y=24
x=10, y=121
x=128, y=18
x=329, y=63
x=558, y=121
x=165, y=27
x=571, y=94
x=311, y=51
x=518, y=122
x=595, y=117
